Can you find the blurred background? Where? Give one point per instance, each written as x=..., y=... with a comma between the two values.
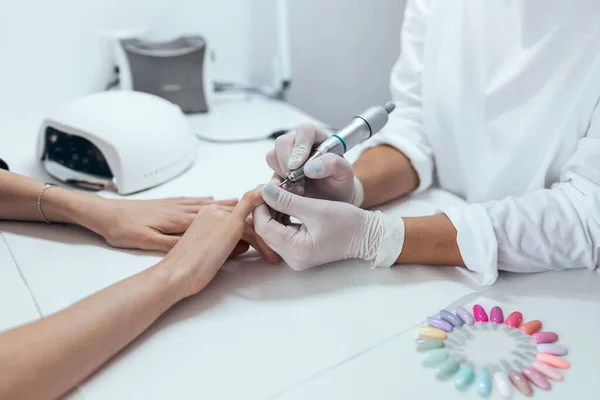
x=56, y=51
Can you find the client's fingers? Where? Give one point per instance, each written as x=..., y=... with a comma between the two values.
x=249, y=202
x=239, y=249
x=157, y=241
x=252, y=237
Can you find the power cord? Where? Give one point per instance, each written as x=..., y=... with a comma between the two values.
x=115, y=82
x=272, y=136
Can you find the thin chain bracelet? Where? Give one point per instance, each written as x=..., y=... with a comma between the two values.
x=39, y=201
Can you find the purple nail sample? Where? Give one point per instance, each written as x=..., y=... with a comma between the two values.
x=554, y=349
x=536, y=378
x=479, y=313
x=465, y=316
x=544, y=337
x=438, y=323
x=496, y=315
x=451, y=318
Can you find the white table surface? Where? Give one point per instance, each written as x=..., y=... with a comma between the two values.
x=263, y=331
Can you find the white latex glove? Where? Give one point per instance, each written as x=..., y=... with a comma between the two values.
x=331, y=176
x=329, y=231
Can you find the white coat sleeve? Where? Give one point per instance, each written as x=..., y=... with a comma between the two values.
x=404, y=130
x=547, y=229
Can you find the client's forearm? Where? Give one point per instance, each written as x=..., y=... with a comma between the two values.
x=19, y=200
x=430, y=241
x=46, y=358
x=386, y=174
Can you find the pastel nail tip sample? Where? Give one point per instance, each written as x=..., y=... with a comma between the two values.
x=431, y=332
x=531, y=327
x=440, y=324
x=451, y=318
x=522, y=384
x=514, y=319
x=447, y=368
x=464, y=377
x=434, y=357
x=428, y=344
x=548, y=371
x=480, y=314
x=544, y=337
x=483, y=381
x=553, y=349
x=496, y=315
x=465, y=316
x=553, y=361
x=536, y=378
x=502, y=384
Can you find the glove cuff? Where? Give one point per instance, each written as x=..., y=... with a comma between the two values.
x=392, y=242
x=359, y=193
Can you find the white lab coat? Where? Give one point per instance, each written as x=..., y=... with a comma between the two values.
x=497, y=102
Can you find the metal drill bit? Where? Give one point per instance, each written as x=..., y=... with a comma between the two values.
x=284, y=182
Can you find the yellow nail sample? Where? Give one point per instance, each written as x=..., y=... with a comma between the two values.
x=431, y=332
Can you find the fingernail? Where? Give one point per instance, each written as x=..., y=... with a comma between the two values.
x=294, y=160
x=314, y=168
x=271, y=191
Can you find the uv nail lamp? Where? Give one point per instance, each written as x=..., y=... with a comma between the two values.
x=117, y=140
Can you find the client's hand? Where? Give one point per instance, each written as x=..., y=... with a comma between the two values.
x=214, y=236
x=142, y=224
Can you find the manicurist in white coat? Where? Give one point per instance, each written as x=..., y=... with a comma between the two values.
x=497, y=102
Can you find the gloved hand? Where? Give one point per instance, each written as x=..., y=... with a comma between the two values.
x=329, y=231
x=331, y=176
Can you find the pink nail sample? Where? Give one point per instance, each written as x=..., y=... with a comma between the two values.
x=514, y=319
x=544, y=337
x=548, y=371
x=553, y=361
x=496, y=315
x=554, y=349
x=440, y=324
x=536, y=378
x=522, y=384
x=479, y=313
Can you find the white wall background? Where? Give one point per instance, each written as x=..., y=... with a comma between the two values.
x=343, y=52
x=54, y=51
